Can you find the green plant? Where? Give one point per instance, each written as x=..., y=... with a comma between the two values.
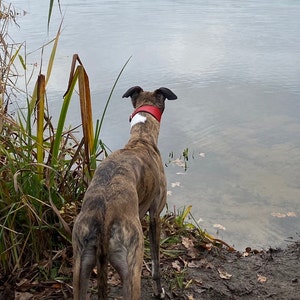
x=44, y=167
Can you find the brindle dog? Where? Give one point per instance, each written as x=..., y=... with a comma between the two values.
x=128, y=183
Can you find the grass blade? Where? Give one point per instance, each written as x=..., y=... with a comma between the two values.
x=40, y=123
x=52, y=55
x=111, y=92
x=50, y=12
x=62, y=118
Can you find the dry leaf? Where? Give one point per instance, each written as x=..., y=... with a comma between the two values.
x=198, y=281
x=278, y=215
x=169, y=193
x=202, y=154
x=202, y=263
x=261, y=278
x=179, y=162
x=190, y=297
x=56, y=285
x=176, y=265
x=208, y=246
x=224, y=274
x=291, y=214
x=219, y=226
x=282, y=215
x=23, y=296
x=186, y=242
x=194, y=264
x=189, y=245
x=192, y=252
x=174, y=184
x=114, y=280
x=245, y=254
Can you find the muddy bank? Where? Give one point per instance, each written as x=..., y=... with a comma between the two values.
x=214, y=274
x=272, y=274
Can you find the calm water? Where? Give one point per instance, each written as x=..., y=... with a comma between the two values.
x=235, y=67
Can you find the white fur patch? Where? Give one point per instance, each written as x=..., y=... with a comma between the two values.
x=137, y=119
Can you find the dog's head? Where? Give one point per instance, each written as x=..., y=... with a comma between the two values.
x=157, y=98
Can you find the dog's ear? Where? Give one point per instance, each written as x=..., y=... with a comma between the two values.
x=132, y=91
x=166, y=93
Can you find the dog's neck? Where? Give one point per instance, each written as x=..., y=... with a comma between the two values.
x=153, y=110
x=145, y=124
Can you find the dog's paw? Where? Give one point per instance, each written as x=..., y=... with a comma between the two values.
x=161, y=295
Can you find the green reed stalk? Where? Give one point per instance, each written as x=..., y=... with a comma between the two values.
x=40, y=123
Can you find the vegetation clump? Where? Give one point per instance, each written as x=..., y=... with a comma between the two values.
x=43, y=166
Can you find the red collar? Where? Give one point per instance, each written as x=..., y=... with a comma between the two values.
x=153, y=110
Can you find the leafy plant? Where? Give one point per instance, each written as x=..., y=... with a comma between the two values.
x=44, y=167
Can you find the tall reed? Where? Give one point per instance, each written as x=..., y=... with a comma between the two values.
x=44, y=166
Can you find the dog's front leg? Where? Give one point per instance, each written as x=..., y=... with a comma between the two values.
x=154, y=236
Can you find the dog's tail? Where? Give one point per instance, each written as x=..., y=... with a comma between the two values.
x=102, y=264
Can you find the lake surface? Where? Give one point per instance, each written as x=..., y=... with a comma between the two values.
x=235, y=67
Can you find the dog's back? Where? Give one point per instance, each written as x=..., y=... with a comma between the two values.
x=108, y=226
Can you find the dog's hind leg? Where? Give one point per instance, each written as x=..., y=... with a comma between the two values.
x=84, y=262
x=154, y=237
x=126, y=256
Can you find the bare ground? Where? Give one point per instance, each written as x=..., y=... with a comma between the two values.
x=272, y=274
x=197, y=274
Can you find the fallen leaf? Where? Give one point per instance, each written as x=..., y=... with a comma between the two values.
x=176, y=265
x=202, y=263
x=56, y=285
x=202, y=154
x=114, y=280
x=187, y=243
x=219, y=226
x=291, y=214
x=208, y=246
x=190, y=297
x=278, y=215
x=23, y=296
x=169, y=193
x=194, y=264
x=198, y=281
x=261, y=278
x=192, y=252
x=179, y=162
x=174, y=184
x=224, y=274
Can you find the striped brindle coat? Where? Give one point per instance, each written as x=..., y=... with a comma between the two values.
x=128, y=183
